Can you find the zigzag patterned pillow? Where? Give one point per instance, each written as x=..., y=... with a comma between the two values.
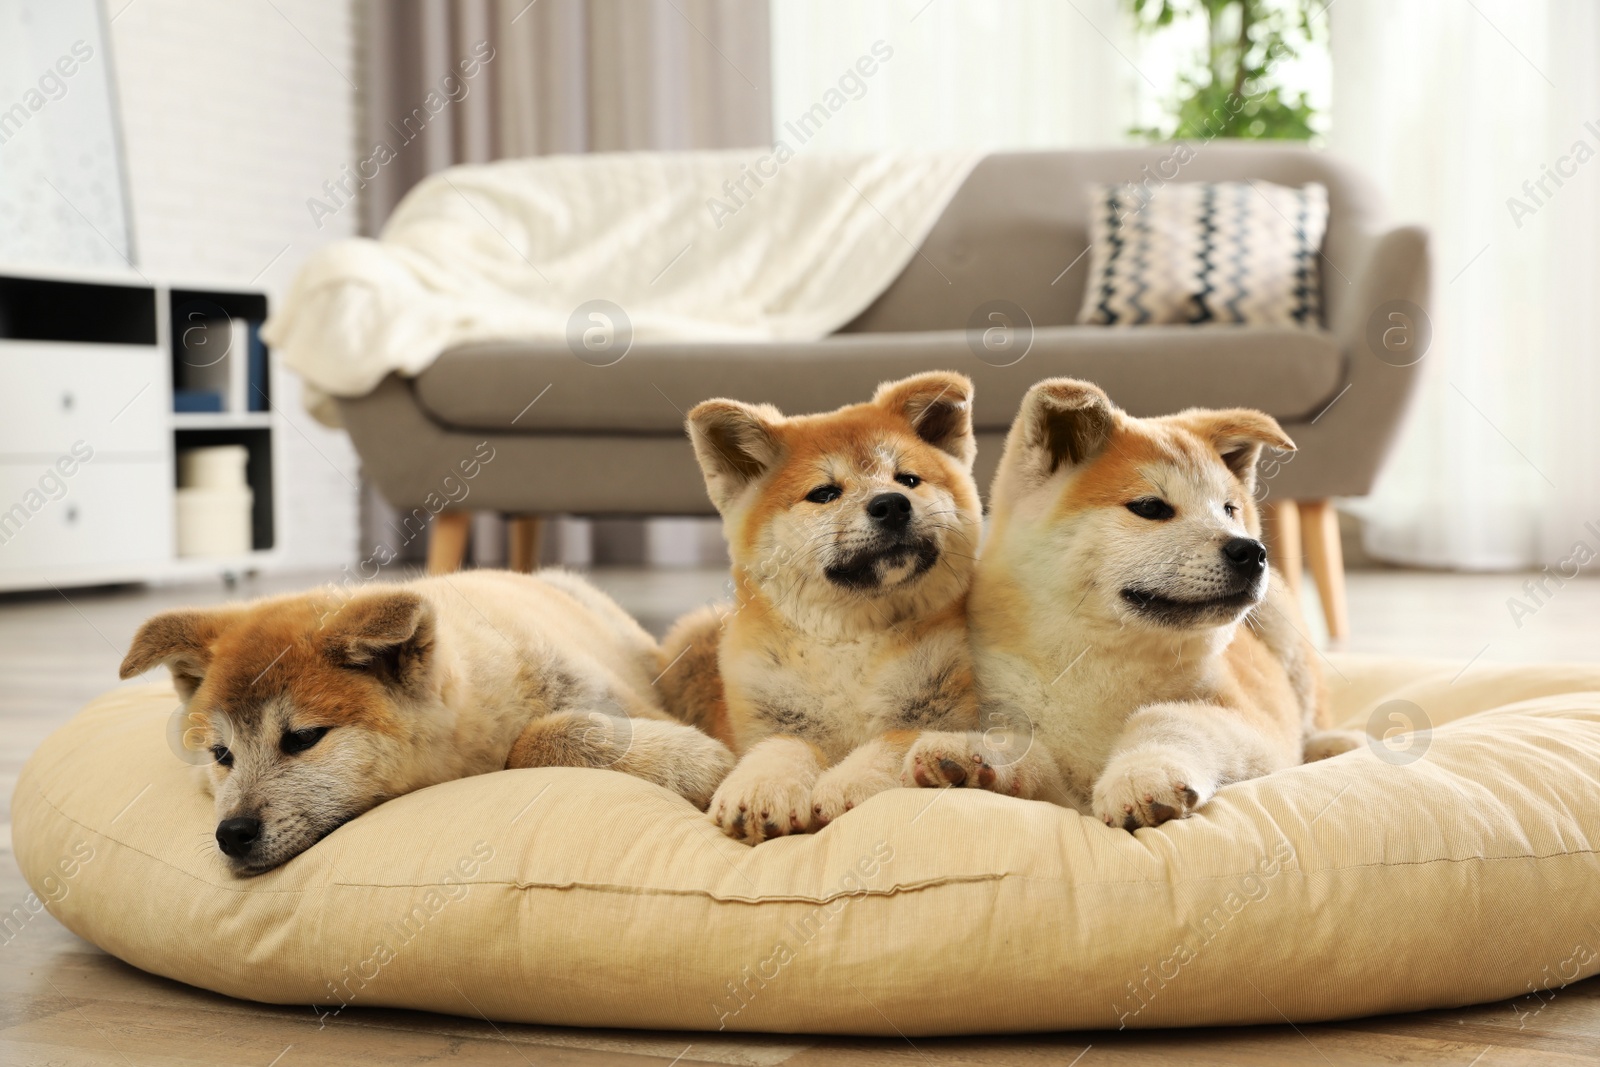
x=1235, y=253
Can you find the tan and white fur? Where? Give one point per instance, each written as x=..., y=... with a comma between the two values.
x=853, y=536
x=1124, y=612
x=316, y=707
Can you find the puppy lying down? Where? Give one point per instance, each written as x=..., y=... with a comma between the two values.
x=318, y=706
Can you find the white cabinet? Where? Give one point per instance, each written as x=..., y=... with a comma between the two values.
x=108, y=520
x=114, y=397
x=88, y=436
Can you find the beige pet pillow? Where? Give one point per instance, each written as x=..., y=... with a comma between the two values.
x=1453, y=867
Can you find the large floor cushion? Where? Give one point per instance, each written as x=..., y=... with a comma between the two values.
x=1448, y=867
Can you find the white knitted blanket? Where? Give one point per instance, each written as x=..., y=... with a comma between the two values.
x=712, y=246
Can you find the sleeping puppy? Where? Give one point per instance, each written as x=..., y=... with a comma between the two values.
x=852, y=535
x=1125, y=606
x=318, y=706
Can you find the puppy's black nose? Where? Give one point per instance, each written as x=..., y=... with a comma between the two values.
x=890, y=510
x=237, y=836
x=1245, y=555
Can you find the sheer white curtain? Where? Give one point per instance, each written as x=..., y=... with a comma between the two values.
x=962, y=74
x=1481, y=119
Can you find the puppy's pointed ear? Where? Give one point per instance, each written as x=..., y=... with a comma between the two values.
x=735, y=444
x=182, y=640
x=1063, y=423
x=387, y=633
x=1238, y=435
x=938, y=405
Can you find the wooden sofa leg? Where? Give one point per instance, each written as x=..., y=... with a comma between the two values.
x=1282, y=521
x=523, y=542
x=447, y=541
x=1326, y=557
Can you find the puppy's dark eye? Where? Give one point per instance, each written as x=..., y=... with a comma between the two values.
x=1230, y=510
x=910, y=481
x=297, y=741
x=221, y=754
x=825, y=494
x=1151, y=507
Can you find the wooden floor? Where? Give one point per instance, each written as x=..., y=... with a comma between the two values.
x=65, y=1003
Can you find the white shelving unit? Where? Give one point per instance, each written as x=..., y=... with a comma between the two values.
x=89, y=438
x=205, y=420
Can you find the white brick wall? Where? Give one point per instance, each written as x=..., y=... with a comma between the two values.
x=234, y=113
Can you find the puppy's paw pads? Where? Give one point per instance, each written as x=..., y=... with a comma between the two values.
x=753, y=809
x=935, y=762
x=1137, y=794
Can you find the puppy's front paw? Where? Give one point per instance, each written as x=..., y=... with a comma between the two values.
x=1325, y=744
x=753, y=807
x=940, y=759
x=1148, y=789
x=841, y=788
x=701, y=766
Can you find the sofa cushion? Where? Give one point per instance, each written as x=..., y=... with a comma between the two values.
x=1287, y=372
x=1244, y=253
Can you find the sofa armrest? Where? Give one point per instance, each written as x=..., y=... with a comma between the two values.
x=1392, y=265
x=1382, y=327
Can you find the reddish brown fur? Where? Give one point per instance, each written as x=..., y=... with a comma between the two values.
x=852, y=434
x=273, y=648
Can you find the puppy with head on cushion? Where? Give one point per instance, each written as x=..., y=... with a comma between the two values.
x=853, y=535
x=1124, y=608
x=318, y=706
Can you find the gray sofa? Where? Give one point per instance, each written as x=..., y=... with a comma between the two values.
x=609, y=440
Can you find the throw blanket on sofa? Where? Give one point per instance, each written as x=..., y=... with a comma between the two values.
x=714, y=246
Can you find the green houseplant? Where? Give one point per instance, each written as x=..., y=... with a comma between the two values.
x=1231, y=91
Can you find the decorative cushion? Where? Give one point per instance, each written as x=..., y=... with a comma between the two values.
x=1443, y=868
x=1238, y=253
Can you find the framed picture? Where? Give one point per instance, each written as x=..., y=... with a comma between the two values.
x=63, y=188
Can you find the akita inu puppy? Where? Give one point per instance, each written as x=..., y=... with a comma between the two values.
x=853, y=535
x=1124, y=607
x=318, y=706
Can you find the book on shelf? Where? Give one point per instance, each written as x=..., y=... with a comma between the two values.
x=238, y=362
x=223, y=357
x=189, y=401
x=260, y=392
